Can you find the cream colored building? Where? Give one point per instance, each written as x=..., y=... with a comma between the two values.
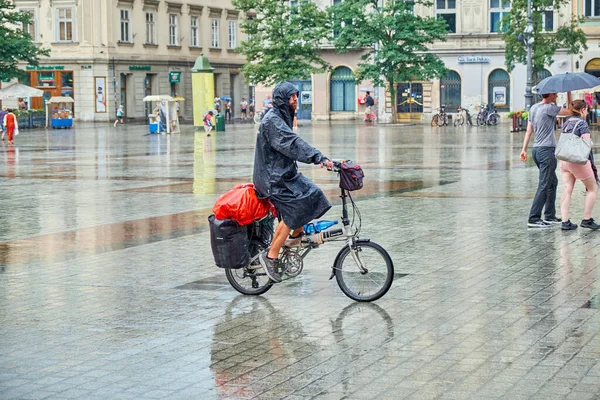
x=473, y=53
x=110, y=52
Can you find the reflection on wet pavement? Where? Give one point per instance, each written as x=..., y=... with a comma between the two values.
x=108, y=288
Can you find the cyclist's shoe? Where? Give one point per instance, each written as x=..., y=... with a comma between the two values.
x=568, y=226
x=268, y=265
x=294, y=241
x=590, y=224
x=552, y=220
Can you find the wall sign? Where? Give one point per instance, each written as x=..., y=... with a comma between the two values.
x=100, y=87
x=306, y=97
x=174, y=77
x=140, y=68
x=45, y=68
x=473, y=60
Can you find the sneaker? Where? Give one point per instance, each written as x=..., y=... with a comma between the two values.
x=538, y=224
x=268, y=265
x=552, y=220
x=294, y=241
x=590, y=224
x=568, y=226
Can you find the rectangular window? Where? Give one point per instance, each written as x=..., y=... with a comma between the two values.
x=125, y=27
x=498, y=8
x=592, y=8
x=150, y=28
x=214, y=33
x=30, y=28
x=46, y=79
x=194, y=38
x=65, y=23
x=446, y=10
x=548, y=20
x=173, y=30
x=232, y=38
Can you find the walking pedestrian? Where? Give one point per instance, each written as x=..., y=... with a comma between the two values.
x=244, y=108
x=11, y=124
x=208, y=125
x=542, y=117
x=228, y=110
x=369, y=102
x=3, y=112
x=120, y=115
x=578, y=126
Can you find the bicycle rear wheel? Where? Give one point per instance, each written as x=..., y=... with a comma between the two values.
x=368, y=284
x=251, y=279
x=493, y=119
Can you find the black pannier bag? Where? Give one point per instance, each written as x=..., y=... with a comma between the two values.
x=351, y=176
x=229, y=242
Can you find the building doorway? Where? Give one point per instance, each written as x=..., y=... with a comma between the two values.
x=499, y=90
x=409, y=100
x=342, y=90
x=304, y=110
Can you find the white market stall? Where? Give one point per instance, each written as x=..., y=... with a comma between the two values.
x=167, y=119
x=60, y=116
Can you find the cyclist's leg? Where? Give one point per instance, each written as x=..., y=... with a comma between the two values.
x=281, y=234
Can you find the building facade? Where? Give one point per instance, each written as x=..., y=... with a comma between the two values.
x=105, y=53
x=473, y=54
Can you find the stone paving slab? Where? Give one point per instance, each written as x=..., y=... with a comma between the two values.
x=108, y=289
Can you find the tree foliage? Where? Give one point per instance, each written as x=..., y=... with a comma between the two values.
x=394, y=39
x=283, y=40
x=567, y=36
x=16, y=45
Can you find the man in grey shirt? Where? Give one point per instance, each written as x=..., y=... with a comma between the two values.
x=542, y=119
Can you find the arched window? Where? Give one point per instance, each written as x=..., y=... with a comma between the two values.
x=450, y=88
x=343, y=90
x=593, y=67
x=537, y=78
x=499, y=90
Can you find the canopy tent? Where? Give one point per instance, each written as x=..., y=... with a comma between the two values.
x=57, y=100
x=18, y=90
x=178, y=98
x=167, y=112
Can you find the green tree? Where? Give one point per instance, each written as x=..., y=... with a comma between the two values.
x=568, y=36
x=283, y=40
x=16, y=45
x=393, y=38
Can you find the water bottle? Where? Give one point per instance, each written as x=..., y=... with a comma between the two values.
x=323, y=236
x=316, y=227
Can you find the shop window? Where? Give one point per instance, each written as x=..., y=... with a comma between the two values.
x=446, y=10
x=150, y=28
x=343, y=90
x=65, y=22
x=46, y=79
x=592, y=8
x=125, y=27
x=498, y=8
x=26, y=79
x=232, y=38
x=214, y=33
x=67, y=84
x=194, y=29
x=173, y=30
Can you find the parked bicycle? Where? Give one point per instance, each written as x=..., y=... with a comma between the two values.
x=463, y=116
x=487, y=116
x=363, y=269
x=441, y=118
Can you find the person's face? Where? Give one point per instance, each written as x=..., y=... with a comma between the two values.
x=294, y=101
x=553, y=97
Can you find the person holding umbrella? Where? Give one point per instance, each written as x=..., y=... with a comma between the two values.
x=542, y=118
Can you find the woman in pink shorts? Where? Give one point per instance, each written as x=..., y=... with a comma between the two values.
x=584, y=172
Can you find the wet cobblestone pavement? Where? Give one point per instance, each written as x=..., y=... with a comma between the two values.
x=108, y=288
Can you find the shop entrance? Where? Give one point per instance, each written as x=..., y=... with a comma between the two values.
x=409, y=100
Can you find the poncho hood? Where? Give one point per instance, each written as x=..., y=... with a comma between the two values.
x=281, y=101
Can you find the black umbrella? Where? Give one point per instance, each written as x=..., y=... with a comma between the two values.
x=566, y=83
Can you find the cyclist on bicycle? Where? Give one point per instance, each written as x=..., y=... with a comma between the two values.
x=296, y=199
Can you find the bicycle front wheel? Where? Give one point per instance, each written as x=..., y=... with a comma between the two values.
x=368, y=281
x=493, y=119
x=251, y=279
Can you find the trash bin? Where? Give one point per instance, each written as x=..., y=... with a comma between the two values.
x=152, y=123
x=220, y=123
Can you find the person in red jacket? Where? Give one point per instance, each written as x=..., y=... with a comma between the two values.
x=10, y=122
